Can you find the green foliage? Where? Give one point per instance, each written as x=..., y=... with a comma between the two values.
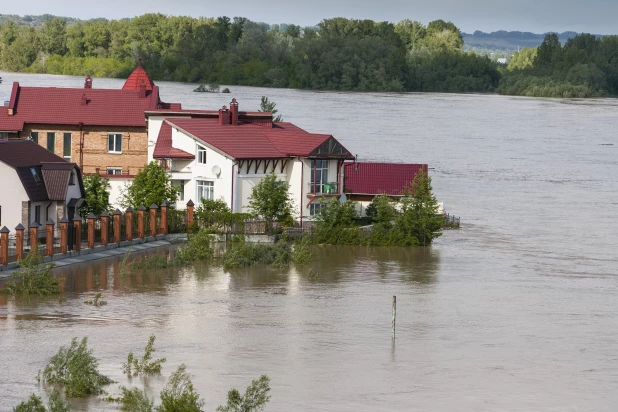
x=199, y=248
x=212, y=214
x=271, y=200
x=151, y=262
x=212, y=88
x=145, y=365
x=302, y=251
x=278, y=254
x=96, y=301
x=97, y=195
x=76, y=369
x=268, y=106
x=335, y=224
x=385, y=210
x=33, y=278
x=254, y=400
x=135, y=400
x=33, y=404
x=420, y=219
x=179, y=395
x=152, y=185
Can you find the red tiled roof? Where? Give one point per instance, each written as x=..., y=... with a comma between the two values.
x=138, y=78
x=379, y=178
x=252, y=141
x=163, y=148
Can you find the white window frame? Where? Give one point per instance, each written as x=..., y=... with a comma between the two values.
x=181, y=192
x=64, y=136
x=205, y=190
x=114, y=170
x=200, y=155
x=116, y=137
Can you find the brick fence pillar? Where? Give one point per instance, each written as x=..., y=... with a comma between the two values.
x=64, y=232
x=90, y=219
x=153, y=219
x=164, y=207
x=34, y=234
x=140, y=221
x=190, y=207
x=104, y=228
x=117, y=226
x=129, y=223
x=4, y=246
x=49, y=237
x=19, y=241
x=77, y=224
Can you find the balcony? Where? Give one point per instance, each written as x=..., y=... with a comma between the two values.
x=323, y=189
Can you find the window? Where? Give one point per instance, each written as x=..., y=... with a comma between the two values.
x=114, y=143
x=205, y=190
x=181, y=191
x=34, y=136
x=316, y=208
x=72, y=179
x=51, y=141
x=4, y=135
x=66, y=147
x=37, y=214
x=35, y=175
x=201, y=155
x=114, y=171
x=319, y=175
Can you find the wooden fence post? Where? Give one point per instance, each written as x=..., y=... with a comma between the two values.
x=19, y=240
x=64, y=231
x=140, y=221
x=34, y=234
x=117, y=216
x=77, y=224
x=4, y=246
x=91, y=218
x=129, y=223
x=394, y=313
x=105, y=228
x=49, y=237
x=164, y=207
x=153, y=219
x=190, y=206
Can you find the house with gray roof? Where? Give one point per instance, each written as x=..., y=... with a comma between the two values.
x=36, y=185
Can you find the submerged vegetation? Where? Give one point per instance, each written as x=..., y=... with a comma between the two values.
x=278, y=254
x=255, y=397
x=33, y=278
x=145, y=365
x=35, y=404
x=96, y=301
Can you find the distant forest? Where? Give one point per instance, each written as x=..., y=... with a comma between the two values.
x=337, y=54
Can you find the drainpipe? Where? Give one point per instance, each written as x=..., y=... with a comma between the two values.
x=47, y=211
x=233, y=179
x=302, y=184
x=81, y=146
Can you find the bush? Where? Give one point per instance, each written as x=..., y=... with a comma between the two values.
x=76, y=369
x=255, y=397
x=135, y=400
x=33, y=277
x=144, y=366
x=199, y=248
x=179, y=394
x=302, y=252
x=35, y=404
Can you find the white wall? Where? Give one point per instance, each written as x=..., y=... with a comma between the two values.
x=13, y=193
x=117, y=185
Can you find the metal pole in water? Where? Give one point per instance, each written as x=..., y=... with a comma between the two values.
x=394, y=313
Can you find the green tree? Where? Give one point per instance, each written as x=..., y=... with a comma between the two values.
x=420, y=218
x=35, y=404
x=179, y=395
x=152, y=185
x=271, y=200
x=268, y=106
x=212, y=214
x=254, y=400
x=97, y=195
x=54, y=36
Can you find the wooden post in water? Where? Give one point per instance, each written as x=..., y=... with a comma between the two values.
x=394, y=313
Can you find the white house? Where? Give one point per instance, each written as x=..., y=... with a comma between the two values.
x=36, y=185
x=224, y=154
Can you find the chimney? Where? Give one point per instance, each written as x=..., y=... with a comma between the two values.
x=84, y=100
x=234, y=112
x=142, y=89
x=224, y=116
x=88, y=83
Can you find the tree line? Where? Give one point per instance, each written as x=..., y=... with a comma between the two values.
x=337, y=54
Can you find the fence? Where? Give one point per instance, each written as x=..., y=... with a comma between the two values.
x=451, y=222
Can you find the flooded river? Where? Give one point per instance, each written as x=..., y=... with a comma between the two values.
x=518, y=311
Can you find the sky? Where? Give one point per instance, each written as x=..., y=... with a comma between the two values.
x=538, y=16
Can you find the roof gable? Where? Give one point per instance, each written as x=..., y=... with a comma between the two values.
x=138, y=79
x=163, y=148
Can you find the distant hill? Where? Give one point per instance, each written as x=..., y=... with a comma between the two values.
x=508, y=41
x=37, y=21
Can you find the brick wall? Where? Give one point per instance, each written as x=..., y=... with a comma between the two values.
x=133, y=158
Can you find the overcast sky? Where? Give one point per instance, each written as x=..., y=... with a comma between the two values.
x=539, y=16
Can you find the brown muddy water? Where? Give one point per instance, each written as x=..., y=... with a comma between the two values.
x=518, y=311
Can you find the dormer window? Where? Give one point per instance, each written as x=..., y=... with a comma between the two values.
x=201, y=155
x=35, y=175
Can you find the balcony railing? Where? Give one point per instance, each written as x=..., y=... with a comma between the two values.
x=323, y=189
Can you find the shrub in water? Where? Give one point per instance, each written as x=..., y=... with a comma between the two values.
x=199, y=248
x=35, y=404
x=135, y=400
x=145, y=365
x=255, y=397
x=33, y=278
x=97, y=301
x=179, y=394
x=76, y=369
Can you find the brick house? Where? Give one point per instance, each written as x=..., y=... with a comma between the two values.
x=98, y=129
x=36, y=185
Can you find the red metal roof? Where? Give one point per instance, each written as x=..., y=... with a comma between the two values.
x=379, y=178
x=163, y=148
x=138, y=79
x=252, y=141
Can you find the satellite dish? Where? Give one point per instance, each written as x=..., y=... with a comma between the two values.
x=216, y=170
